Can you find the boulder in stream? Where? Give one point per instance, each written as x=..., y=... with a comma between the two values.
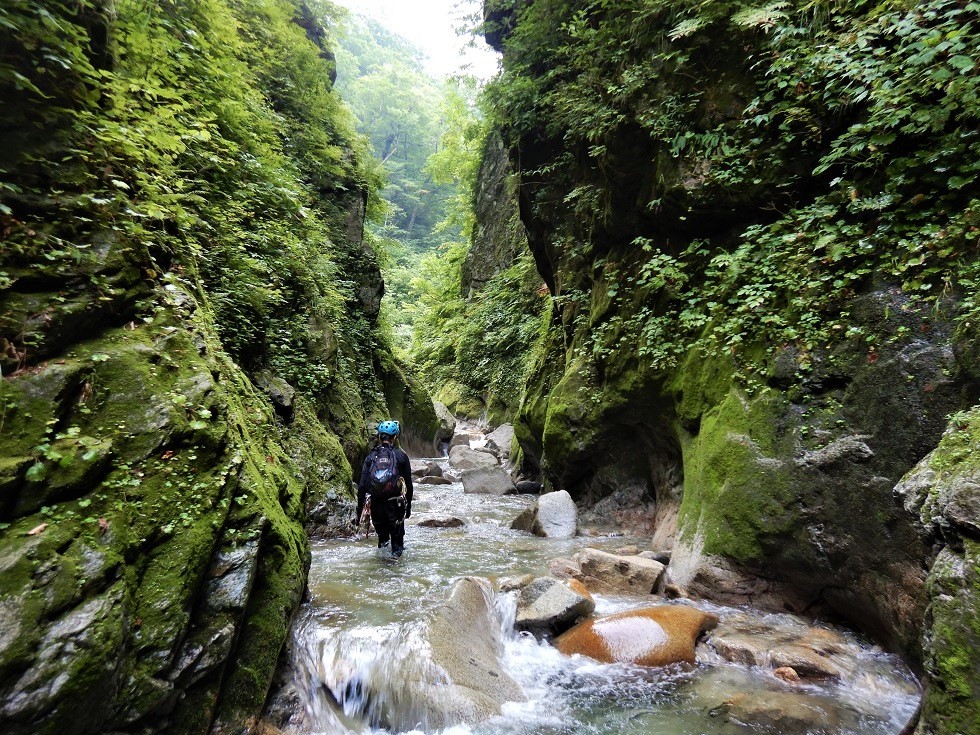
x=425, y=678
x=434, y=480
x=557, y=515
x=462, y=440
x=487, y=481
x=601, y=571
x=651, y=636
x=464, y=458
x=465, y=641
x=426, y=468
x=526, y=520
x=554, y=515
x=447, y=425
x=499, y=441
x=529, y=487
x=552, y=605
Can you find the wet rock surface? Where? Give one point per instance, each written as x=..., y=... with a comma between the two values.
x=553, y=515
x=492, y=480
x=552, y=605
x=800, y=651
x=466, y=644
x=601, y=571
x=442, y=522
x=654, y=636
x=463, y=458
x=374, y=635
x=499, y=441
x=529, y=487
x=462, y=439
x=557, y=515
x=434, y=480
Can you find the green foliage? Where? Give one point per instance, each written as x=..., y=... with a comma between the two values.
x=457, y=161
x=424, y=133
x=206, y=140
x=398, y=107
x=484, y=343
x=830, y=146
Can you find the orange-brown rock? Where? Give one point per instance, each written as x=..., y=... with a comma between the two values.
x=787, y=674
x=651, y=636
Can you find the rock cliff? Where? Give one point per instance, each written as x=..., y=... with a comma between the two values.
x=190, y=361
x=759, y=324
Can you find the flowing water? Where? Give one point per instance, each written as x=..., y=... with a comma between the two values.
x=364, y=631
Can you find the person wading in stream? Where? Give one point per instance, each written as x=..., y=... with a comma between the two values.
x=386, y=478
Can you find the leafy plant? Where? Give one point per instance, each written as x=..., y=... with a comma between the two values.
x=831, y=147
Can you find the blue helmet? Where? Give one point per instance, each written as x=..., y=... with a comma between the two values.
x=389, y=427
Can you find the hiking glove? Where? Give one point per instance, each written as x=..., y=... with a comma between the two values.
x=408, y=511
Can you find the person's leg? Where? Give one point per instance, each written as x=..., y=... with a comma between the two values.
x=379, y=516
x=396, y=521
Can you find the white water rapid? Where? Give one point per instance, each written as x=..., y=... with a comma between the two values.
x=360, y=658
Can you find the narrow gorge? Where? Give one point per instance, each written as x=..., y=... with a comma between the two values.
x=716, y=263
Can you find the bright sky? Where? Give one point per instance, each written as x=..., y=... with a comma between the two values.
x=431, y=25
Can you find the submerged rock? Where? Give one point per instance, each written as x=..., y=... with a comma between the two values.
x=652, y=636
x=780, y=711
x=442, y=522
x=787, y=674
x=810, y=652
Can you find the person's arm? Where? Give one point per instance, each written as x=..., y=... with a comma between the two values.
x=407, y=475
x=362, y=486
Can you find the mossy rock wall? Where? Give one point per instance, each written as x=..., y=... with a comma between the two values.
x=188, y=350
x=943, y=493
x=153, y=543
x=739, y=320
x=489, y=339
x=411, y=405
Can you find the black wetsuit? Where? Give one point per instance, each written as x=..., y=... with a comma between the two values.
x=388, y=515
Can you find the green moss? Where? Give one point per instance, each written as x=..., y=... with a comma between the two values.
x=737, y=488
x=318, y=456
x=952, y=700
x=700, y=383
x=957, y=452
x=574, y=405
x=456, y=397
x=278, y=589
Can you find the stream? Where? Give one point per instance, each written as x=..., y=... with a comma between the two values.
x=366, y=618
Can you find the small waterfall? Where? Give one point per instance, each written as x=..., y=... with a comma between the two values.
x=364, y=677
x=505, y=604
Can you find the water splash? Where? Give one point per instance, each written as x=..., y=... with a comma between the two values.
x=366, y=676
x=361, y=658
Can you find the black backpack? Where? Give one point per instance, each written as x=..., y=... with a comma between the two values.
x=383, y=472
